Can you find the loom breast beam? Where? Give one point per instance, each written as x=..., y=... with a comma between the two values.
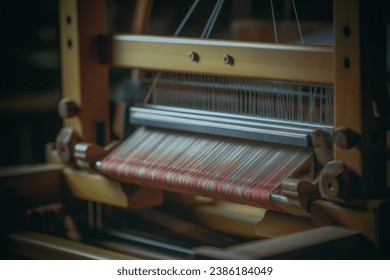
x=218, y=167
x=230, y=125
x=310, y=64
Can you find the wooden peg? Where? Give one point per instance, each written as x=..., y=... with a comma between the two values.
x=346, y=138
x=67, y=108
x=65, y=141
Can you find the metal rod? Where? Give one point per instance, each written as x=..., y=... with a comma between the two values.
x=259, y=129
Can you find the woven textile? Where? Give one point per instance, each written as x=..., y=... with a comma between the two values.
x=225, y=169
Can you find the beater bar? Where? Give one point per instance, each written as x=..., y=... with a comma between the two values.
x=212, y=123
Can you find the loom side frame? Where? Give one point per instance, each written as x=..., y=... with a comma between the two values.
x=84, y=79
x=360, y=98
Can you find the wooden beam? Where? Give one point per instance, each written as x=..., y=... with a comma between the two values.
x=311, y=64
x=32, y=185
x=35, y=245
x=360, y=101
x=320, y=243
x=94, y=187
x=371, y=219
x=249, y=221
x=84, y=78
x=141, y=18
x=230, y=217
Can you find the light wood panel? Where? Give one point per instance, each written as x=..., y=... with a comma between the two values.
x=94, y=187
x=230, y=217
x=297, y=63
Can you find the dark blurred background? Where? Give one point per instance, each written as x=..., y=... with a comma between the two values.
x=30, y=79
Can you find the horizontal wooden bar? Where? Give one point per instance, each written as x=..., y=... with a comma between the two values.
x=325, y=243
x=35, y=245
x=230, y=218
x=300, y=63
x=370, y=219
x=27, y=186
x=95, y=187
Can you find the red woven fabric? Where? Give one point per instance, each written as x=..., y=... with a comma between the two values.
x=224, y=169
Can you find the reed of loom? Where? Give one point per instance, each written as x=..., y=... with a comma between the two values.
x=354, y=66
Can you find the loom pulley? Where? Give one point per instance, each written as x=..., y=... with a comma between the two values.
x=335, y=182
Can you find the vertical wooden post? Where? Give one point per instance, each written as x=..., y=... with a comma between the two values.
x=140, y=24
x=142, y=12
x=84, y=79
x=360, y=89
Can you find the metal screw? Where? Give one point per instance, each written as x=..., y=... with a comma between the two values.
x=193, y=56
x=228, y=59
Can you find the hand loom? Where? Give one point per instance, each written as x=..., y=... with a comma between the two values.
x=278, y=148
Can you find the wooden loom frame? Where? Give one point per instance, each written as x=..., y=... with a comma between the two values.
x=355, y=66
x=360, y=94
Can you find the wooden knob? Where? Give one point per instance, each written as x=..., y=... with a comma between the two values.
x=346, y=138
x=87, y=154
x=67, y=108
x=337, y=183
x=65, y=141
